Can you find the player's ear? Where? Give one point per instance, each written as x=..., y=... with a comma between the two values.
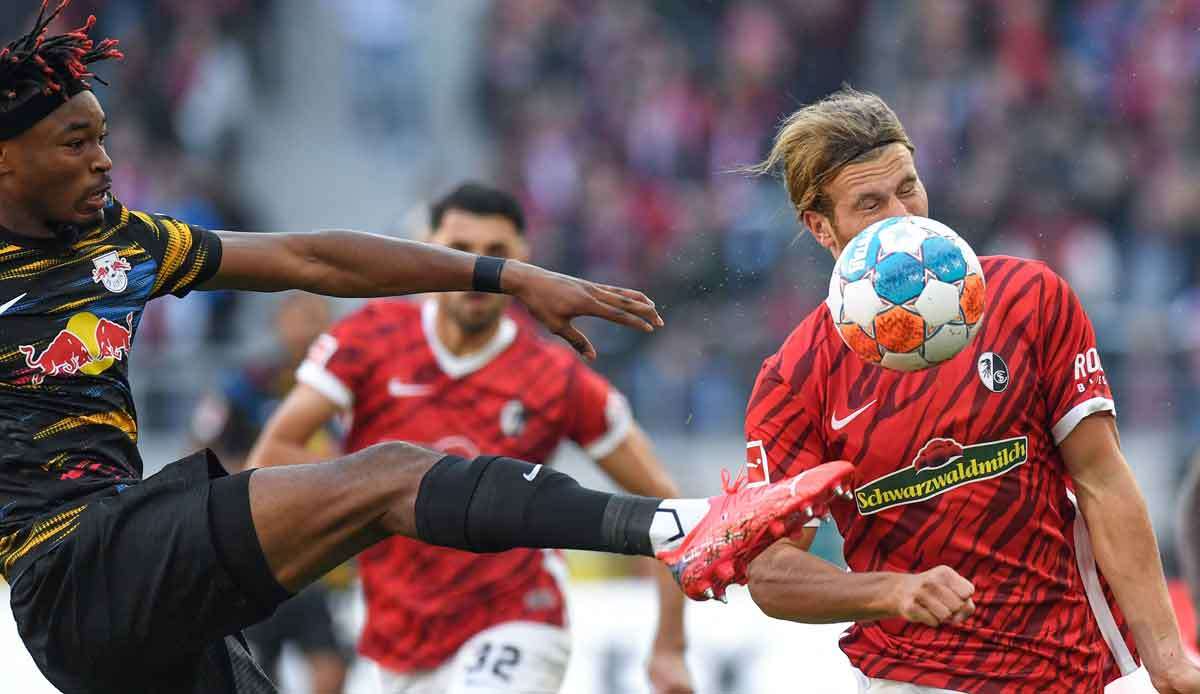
x=6, y=157
x=821, y=227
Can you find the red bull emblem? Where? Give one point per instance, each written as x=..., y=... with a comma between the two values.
x=88, y=345
x=111, y=271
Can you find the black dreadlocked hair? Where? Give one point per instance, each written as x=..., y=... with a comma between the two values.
x=36, y=64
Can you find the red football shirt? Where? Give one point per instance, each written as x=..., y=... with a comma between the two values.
x=520, y=396
x=959, y=465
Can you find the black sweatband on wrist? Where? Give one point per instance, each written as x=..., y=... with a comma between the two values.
x=487, y=274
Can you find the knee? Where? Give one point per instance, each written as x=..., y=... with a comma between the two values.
x=400, y=453
x=392, y=468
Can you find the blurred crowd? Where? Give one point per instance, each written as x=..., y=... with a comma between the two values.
x=1044, y=128
x=1058, y=130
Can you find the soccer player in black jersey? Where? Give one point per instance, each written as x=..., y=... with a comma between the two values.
x=130, y=586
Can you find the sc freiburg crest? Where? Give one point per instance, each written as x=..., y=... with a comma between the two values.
x=993, y=372
x=512, y=418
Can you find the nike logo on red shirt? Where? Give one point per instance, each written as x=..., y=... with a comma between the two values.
x=837, y=424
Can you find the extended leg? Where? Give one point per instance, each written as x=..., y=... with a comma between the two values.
x=310, y=518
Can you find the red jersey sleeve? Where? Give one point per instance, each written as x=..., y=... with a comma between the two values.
x=600, y=415
x=339, y=361
x=1072, y=376
x=783, y=436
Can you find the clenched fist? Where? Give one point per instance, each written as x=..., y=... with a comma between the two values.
x=933, y=597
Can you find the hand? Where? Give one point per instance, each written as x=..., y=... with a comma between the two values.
x=1182, y=677
x=556, y=299
x=934, y=597
x=668, y=672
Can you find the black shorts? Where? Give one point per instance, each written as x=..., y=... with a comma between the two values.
x=150, y=591
x=306, y=621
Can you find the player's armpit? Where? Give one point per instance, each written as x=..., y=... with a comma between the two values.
x=285, y=437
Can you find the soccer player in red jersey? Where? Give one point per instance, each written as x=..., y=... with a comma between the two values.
x=456, y=374
x=991, y=495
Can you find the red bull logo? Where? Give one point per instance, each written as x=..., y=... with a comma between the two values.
x=110, y=270
x=88, y=345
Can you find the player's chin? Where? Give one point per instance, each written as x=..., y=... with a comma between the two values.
x=88, y=211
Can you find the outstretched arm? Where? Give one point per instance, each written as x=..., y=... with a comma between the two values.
x=634, y=466
x=284, y=439
x=1126, y=550
x=357, y=264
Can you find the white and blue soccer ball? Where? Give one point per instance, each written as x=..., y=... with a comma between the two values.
x=907, y=293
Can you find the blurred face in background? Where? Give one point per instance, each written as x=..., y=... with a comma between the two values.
x=299, y=320
x=495, y=235
x=864, y=193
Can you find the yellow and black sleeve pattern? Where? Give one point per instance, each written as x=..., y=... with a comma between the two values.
x=186, y=255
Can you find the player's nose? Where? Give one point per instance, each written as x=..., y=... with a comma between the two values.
x=896, y=208
x=102, y=163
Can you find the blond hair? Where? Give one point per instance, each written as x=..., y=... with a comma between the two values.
x=817, y=141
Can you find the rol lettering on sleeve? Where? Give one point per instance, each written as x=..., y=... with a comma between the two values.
x=1087, y=363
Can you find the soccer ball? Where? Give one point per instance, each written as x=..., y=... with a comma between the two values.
x=907, y=293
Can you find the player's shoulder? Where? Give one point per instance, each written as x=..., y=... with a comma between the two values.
x=808, y=342
x=390, y=315
x=118, y=215
x=546, y=350
x=1021, y=280
x=1005, y=268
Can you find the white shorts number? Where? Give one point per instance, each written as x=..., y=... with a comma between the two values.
x=516, y=657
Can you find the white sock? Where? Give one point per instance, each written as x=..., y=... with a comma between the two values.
x=673, y=520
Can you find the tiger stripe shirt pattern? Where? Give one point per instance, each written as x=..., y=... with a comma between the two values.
x=957, y=465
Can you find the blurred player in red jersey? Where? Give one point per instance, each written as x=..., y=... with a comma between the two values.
x=1187, y=537
x=456, y=374
x=989, y=580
